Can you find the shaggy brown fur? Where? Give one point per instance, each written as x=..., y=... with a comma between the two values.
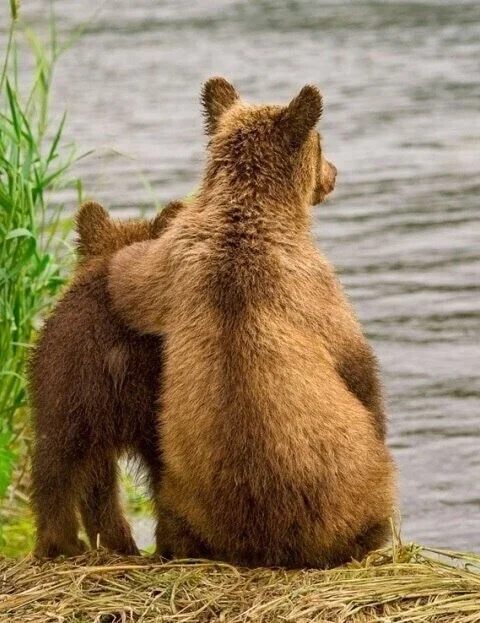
x=272, y=428
x=93, y=385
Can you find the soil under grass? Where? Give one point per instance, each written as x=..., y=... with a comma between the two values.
x=400, y=584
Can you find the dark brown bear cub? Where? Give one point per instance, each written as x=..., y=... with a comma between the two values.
x=272, y=426
x=93, y=387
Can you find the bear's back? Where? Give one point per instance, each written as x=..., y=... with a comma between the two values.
x=86, y=359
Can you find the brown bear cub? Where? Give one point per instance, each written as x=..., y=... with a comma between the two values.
x=272, y=427
x=93, y=385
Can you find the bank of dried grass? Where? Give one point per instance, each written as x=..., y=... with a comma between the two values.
x=399, y=584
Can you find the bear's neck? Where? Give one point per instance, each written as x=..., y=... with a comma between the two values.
x=263, y=203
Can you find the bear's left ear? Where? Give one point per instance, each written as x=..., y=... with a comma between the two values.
x=217, y=96
x=302, y=114
x=93, y=225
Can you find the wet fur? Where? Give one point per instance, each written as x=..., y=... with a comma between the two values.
x=272, y=428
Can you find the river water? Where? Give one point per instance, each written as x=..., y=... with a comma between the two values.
x=401, y=85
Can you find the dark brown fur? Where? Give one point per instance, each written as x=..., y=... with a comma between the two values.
x=273, y=427
x=93, y=386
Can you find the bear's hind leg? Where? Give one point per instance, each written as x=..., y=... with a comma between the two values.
x=375, y=537
x=101, y=511
x=174, y=538
x=54, y=501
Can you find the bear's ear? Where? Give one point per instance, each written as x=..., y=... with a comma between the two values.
x=217, y=96
x=302, y=114
x=163, y=219
x=92, y=222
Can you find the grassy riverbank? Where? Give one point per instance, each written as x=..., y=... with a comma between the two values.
x=403, y=584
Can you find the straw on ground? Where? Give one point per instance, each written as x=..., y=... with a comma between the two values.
x=406, y=583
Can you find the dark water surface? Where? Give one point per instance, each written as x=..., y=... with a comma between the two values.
x=401, y=84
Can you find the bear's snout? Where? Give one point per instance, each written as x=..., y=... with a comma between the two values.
x=329, y=176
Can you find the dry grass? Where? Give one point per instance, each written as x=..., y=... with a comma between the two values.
x=406, y=583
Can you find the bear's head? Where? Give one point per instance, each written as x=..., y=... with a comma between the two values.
x=100, y=235
x=274, y=148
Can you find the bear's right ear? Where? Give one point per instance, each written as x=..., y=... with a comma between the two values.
x=217, y=96
x=163, y=219
x=92, y=222
x=302, y=114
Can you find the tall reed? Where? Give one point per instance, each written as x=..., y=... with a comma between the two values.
x=35, y=163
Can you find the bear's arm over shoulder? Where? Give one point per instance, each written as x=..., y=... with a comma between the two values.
x=137, y=285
